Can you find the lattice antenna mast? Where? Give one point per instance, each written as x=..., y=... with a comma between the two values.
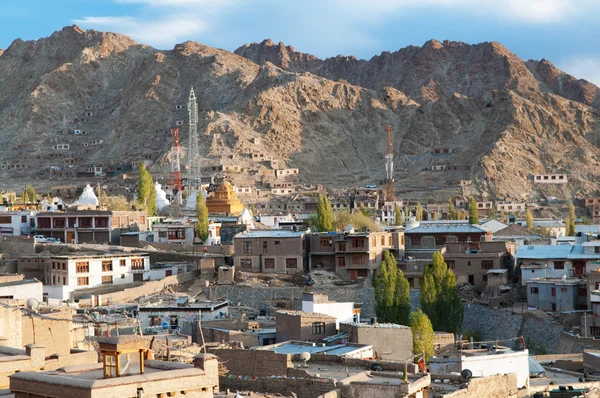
x=389, y=166
x=175, y=175
x=193, y=163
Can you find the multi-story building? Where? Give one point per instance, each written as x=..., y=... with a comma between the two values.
x=304, y=326
x=388, y=212
x=471, y=262
x=359, y=254
x=270, y=251
x=17, y=223
x=557, y=294
x=64, y=274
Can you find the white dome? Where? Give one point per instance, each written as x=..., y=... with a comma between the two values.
x=161, y=197
x=190, y=202
x=246, y=216
x=88, y=197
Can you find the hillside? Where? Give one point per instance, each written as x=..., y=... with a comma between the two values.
x=503, y=118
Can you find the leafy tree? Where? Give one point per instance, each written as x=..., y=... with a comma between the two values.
x=502, y=216
x=423, y=334
x=12, y=197
x=324, y=214
x=115, y=203
x=202, y=214
x=99, y=193
x=253, y=209
x=313, y=222
x=473, y=213
x=343, y=218
x=529, y=219
x=439, y=296
x=461, y=215
x=397, y=215
x=491, y=213
x=406, y=214
x=364, y=210
x=571, y=220
x=392, y=292
x=419, y=212
x=29, y=194
x=452, y=215
x=146, y=190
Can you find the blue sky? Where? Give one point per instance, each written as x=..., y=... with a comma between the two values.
x=562, y=31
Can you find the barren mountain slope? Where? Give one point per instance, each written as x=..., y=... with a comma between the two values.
x=503, y=121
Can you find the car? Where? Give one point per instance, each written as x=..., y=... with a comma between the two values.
x=53, y=240
x=40, y=239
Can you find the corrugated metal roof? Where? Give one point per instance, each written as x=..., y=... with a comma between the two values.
x=275, y=233
x=535, y=369
x=492, y=226
x=544, y=251
x=578, y=253
x=588, y=229
x=445, y=228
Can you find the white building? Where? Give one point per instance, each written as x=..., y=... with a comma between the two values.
x=273, y=221
x=388, y=212
x=486, y=362
x=22, y=290
x=320, y=304
x=176, y=232
x=65, y=274
x=160, y=316
x=550, y=178
x=16, y=223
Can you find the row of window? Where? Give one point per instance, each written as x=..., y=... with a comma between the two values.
x=290, y=263
x=82, y=267
x=441, y=240
x=72, y=222
x=582, y=291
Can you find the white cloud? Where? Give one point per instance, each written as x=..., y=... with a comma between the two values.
x=583, y=67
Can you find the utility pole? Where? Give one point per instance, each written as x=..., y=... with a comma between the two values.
x=175, y=175
x=389, y=166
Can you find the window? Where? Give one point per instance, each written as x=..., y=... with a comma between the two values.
x=564, y=290
x=246, y=247
x=177, y=234
x=553, y=292
x=595, y=330
x=533, y=290
x=358, y=259
x=137, y=264
x=122, y=262
x=122, y=276
x=107, y=280
x=326, y=242
x=23, y=219
x=451, y=264
x=291, y=263
x=358, y=243
x=246, y=263
x=484, y=278
x=582, y=292
x=5, y=220
x=82, y=267
x=383, y=241
x=83, y=281
x=318, y=327
x=154, y=320
x=265, y=246
x=277, y=243
x=342, y=262
x=416, y=241
x=597, y=249
x=106, y=265
x=85, y=222
x=440, y=240
x=390, y=241
x=374, y=242
x=269, y=263
x=342, y=246
x=102, y=222
x=559, y=265
x=162, y=234
x=468, y=263
x=486, y=264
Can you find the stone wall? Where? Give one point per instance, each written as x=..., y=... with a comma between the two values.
x=52, y=331
x=5, y=278
x=258, y=363
x=301, y=387
x=17, y=246
x=10, y=326
x=498, y=386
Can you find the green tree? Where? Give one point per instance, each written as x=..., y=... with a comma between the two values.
x=473, y=213
x=406, y=214
x=324, y=214
x=29, y=195
x=100, y=193
x=529, y=219
x=419, y=212
x=12, y=197
x=439, y=296
x=313, y=222
x=502, y=216
x=491, y=213
x=146, y=190
x=358, y=220
x=202, y=214
x=397, y=215
x=423, y=334
x=364, y=210
x=392, y=292
x=253, y=209
x=571, y=220
x=452, y=215
x=115, y=203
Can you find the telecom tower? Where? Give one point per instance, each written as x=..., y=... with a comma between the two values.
x=389, y=166
x=193, y=164
x=175, y=175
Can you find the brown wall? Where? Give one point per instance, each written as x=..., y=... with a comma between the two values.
x=389, y=343
x=260, y=363
x=53, y=332
x=299, y=326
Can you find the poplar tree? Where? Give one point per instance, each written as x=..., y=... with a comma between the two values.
x=419, y=212
x=29, y=194
x=529, y=219
x=571, y=220
x=202, y=214
x=452, y=215
x=392, y=292
x=473, y=213
x=397, y=215
x=423, y=334
x=146, y=190
x=324, y=214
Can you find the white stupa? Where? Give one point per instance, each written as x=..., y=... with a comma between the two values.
x=190, y=202
x=88, y=197
x=246, y=218
x=161, y=197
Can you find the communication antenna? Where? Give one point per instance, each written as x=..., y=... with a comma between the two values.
x=389, y=165
x=193, y=162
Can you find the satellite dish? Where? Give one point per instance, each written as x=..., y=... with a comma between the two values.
x=32, y=304
x=466, y=374
x=305, y=356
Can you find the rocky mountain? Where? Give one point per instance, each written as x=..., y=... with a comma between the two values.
x=113, y=101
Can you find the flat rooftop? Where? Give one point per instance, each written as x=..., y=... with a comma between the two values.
x=277, y=233
x=298, y=347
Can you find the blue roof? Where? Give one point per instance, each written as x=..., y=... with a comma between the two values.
x=294, y=348
x=541, y=252
x=577, y=253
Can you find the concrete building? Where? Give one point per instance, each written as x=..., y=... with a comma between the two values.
x=170, y=317
x=17, y=223
x=249, y=333
x=319, y=303
x=359, y=254
x=64, y=274
x=484, y=362
x=124, y=372
x=426, y=237
x=471, y=262
x=294, y=348
x=511, y=207
x=174, y=232
x=274, y=251
x=390, y=341
x=557, y=294
x=388, y=212
x=304, y=326
x=550, y=178
x=22, y=290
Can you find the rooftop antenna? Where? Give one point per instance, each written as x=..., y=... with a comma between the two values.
x=193, y=163
x=389, y=166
